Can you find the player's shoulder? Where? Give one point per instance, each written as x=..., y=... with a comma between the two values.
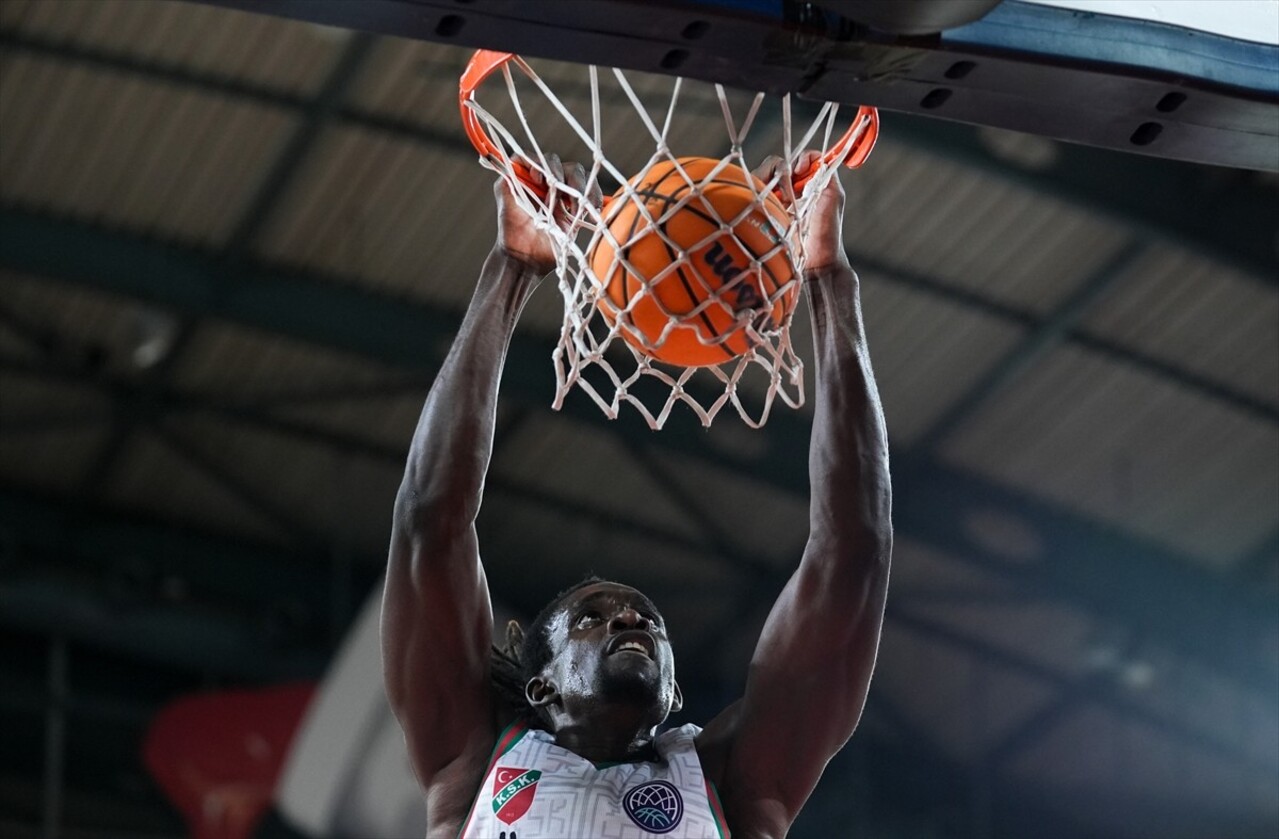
x=685, y=733
x=714, y=742
x=678, y=741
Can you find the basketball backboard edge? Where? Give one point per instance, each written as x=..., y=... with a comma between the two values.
x=1139, y=85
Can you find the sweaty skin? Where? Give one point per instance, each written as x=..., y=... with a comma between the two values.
x=811, y=669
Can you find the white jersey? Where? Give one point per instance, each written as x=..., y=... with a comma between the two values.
x=535, y=789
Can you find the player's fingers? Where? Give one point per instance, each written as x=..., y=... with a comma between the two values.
x=595, y=197
x=575, y=176
x=556, y=168
x=768, y=169
x=807, y=160
x=530, y=171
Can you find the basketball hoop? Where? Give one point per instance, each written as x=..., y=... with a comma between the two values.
x=681, y=286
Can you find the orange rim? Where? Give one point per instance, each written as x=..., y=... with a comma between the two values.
x=481, y=66
x=851, y=150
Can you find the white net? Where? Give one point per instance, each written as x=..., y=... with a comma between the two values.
x=681, y=287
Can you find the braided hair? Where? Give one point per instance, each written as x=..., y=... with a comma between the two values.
x=523, y=655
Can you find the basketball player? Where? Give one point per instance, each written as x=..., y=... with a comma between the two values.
x=553, y=737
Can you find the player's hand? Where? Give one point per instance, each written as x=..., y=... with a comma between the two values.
x=824, y=243
x=517, y=232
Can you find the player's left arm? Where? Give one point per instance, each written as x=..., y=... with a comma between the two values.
x=811, y=669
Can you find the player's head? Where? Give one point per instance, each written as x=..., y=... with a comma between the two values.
x=607, y=645
x=598, y=642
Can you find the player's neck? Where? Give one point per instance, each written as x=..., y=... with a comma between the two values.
x=611, y=735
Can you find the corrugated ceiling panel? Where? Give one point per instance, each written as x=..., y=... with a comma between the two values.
x=95, y=333
x=512, y=530
x=395, y=213
x=587, y=465
x=155, y=479
x=985, y=235
x=51, y=462
x=228, y=360
x=340, y=500
x=1039, y=630
x=400, y=216
x=13, y=13
x=755, y=518
x=1196, y=315
x=414, y=81
x=1131, y=449
x=922, y=575
x=48, y=431
x=15, y=344
x=386, y=421
x=32, y=403
x=1185, y=693
x=125, y=152
x=1096, y=760
x=926, y=352
x=566, y=549
x=962, y=703
x=303, y=383
x=285, y=55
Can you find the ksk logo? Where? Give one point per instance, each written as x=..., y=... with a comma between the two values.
x=513, y=791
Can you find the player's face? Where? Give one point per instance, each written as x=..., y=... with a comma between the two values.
x=610, y=643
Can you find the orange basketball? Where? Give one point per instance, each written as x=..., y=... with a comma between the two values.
x=735, y=273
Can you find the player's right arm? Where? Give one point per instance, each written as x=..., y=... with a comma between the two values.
x=437, y=621
x=809, y=676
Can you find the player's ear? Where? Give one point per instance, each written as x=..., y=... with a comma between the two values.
x=677, y=701
x=540, y=692
x=514, y=635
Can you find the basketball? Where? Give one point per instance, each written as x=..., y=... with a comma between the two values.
x=736, y=268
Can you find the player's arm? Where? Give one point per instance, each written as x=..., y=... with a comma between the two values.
x=811, y=669
x=437, y=620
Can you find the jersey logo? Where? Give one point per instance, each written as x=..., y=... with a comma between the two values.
x=656, y=806
x=513, y=791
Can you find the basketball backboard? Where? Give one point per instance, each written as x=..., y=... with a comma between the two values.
x=1195, y=81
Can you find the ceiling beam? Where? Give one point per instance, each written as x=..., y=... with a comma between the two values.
x=1218, y=621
